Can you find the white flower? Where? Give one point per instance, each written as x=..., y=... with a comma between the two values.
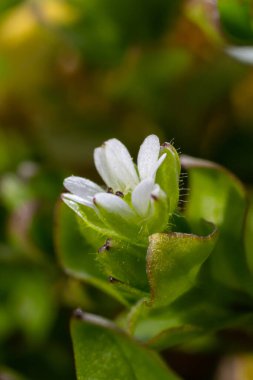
x=131, y=192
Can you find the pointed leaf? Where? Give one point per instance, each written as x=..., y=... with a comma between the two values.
x=217, y=196
x=103, y=352
x=77, y=251
x=173, y=262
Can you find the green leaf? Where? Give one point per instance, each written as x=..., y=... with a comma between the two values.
x=6, y=4
x=194, y=315
x=248, y=235
x=77, y=251
x=27, y=304
x=102, y=352
x=217, y=196
x=175, y=336
x=173, y=262
x=160, y=328
x=236, y=18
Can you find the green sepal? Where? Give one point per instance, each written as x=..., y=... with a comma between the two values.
x=124, y=262
x=103, y=351
x=168, y=174
x=159, y=219
x=173, y=263
x=77, y=247
x=122, y=228
x=89, y=217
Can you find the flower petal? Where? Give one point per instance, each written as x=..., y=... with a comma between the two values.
x=103, y=168
x=121, y=165
x=82, y=187
x=141, y=196
x=115, y=165
x=114, y=205
x=148, y=156
x=67, y=197
x=159, y=163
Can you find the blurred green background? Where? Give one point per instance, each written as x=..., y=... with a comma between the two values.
x=72, y=74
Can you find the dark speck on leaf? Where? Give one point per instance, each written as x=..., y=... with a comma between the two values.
x=105, y=247
x=113, y=280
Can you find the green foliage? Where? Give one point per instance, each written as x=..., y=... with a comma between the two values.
x=236, y=19
x=80, y=260
x=102, y=351
x=113, y=26
x=173, y=262
x=6, y=4
x=218, y=197
x=73, y=74
x=192, y=279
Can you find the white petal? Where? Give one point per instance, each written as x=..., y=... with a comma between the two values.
x=103, y=168
x=82, y=187
x=158, y=164
x=141, y=196
x=113, y=204
x=157, y=192
x=148, y=156
x=121, y=165
x=72, y=198
x=242, y=53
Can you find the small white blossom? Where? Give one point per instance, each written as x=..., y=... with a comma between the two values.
x=131, y=192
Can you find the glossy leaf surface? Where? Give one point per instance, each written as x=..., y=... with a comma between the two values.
x=102, y=352
x=173, y=262
x=79, y=260
x=218, y=197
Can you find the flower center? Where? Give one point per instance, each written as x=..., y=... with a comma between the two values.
x=118, y=193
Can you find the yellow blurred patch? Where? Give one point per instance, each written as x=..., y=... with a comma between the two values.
x=21, y=21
